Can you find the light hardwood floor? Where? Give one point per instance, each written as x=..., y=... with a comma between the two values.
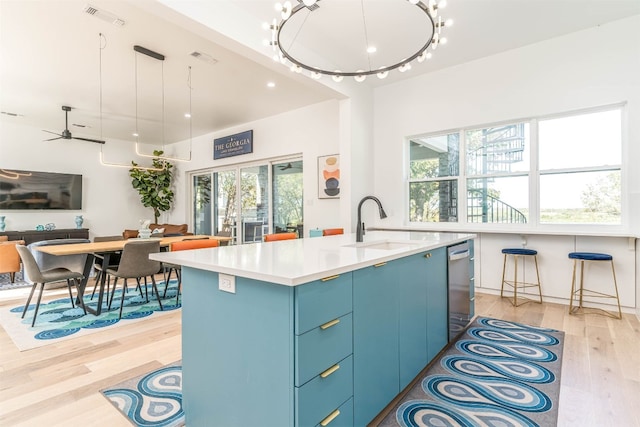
x=59, y=384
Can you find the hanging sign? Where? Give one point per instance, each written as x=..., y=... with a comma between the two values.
x=233, y=145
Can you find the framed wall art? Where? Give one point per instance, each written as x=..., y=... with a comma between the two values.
x=329, y=177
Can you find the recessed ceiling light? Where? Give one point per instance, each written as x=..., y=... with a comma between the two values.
x=271, y=84
x=135, y=134
x=371, y=49
x=187, y=115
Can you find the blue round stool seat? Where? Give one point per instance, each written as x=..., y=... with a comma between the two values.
x=590, y=256
x=519, y=251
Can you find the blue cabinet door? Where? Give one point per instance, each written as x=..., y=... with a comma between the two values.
x=412, y=321
x=375, y=340
x=437, y=303
x=238, y=352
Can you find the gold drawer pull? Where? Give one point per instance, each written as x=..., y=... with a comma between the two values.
x=330, y=371
x=330, y=418
x=427, y=255
x=330, y=324
x=326, y=279
x=380, y=264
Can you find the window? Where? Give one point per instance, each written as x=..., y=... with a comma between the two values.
x=581, y=154
x=560, y=170
x=498, y=170
x=433, y=185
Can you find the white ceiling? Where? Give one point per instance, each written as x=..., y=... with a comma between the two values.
x=50, y=56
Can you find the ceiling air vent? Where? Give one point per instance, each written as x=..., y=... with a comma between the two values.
x=203, y=57
x=104, y=15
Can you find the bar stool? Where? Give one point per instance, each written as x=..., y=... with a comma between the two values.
x=516, y=253
x=582, y=291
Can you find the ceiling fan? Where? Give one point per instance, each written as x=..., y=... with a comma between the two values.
x=66, y=134
x=288, y=166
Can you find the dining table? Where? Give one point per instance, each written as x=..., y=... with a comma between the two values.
x=105, y=250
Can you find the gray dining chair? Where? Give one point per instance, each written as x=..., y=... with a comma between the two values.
x=47, y=261
x=135, y=264
x=114, y=261
x=37, y=276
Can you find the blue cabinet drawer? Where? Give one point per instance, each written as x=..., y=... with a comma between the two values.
x=321, y=301
x=341, y=417
x=320, y=397
x=319, y=348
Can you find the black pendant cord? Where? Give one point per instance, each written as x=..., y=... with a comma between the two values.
x=366, y=35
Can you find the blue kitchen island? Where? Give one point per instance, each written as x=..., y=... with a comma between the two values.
x=307, y=332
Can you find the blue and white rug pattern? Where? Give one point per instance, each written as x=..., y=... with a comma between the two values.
x=58, y=319
x=498, y=373
x=153, y=400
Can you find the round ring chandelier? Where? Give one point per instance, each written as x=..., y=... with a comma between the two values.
x=340, y=38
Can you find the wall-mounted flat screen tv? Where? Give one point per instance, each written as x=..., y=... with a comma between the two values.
x=39, y=190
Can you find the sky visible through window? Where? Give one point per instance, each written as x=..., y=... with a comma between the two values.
x=585, y=140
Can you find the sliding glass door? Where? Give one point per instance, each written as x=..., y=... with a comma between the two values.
x=246, y=202
x=254, y=202
x=225, y=206
x=202, y=204
x=287, y=197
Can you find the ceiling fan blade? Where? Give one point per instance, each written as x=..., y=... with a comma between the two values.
x=55, y=133
x=98, y=141
x=52, y=139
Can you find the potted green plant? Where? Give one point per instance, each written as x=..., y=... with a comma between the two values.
x=154, y=184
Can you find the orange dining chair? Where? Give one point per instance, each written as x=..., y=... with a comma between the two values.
x=184, y=245
x=9, y=258
x=279, y=236
x=332, y=231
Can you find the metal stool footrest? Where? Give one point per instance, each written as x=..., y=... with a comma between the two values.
x=517, y=285
x=578, y=293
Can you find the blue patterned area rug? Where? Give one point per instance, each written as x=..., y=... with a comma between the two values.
x=57, y=320
x=6, y=283
x=498, y=373
x=151, y=400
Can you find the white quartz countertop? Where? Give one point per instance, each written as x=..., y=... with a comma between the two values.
x=294, y=262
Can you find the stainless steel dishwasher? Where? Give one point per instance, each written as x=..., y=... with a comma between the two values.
x=459, y=286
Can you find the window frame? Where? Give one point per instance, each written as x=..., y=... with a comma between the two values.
x=533, y=225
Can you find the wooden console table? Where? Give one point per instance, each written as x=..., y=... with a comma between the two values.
x=30, y=236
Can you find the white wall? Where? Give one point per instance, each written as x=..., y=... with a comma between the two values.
x=599, y=66
x=109, y=202
x=311, y=131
